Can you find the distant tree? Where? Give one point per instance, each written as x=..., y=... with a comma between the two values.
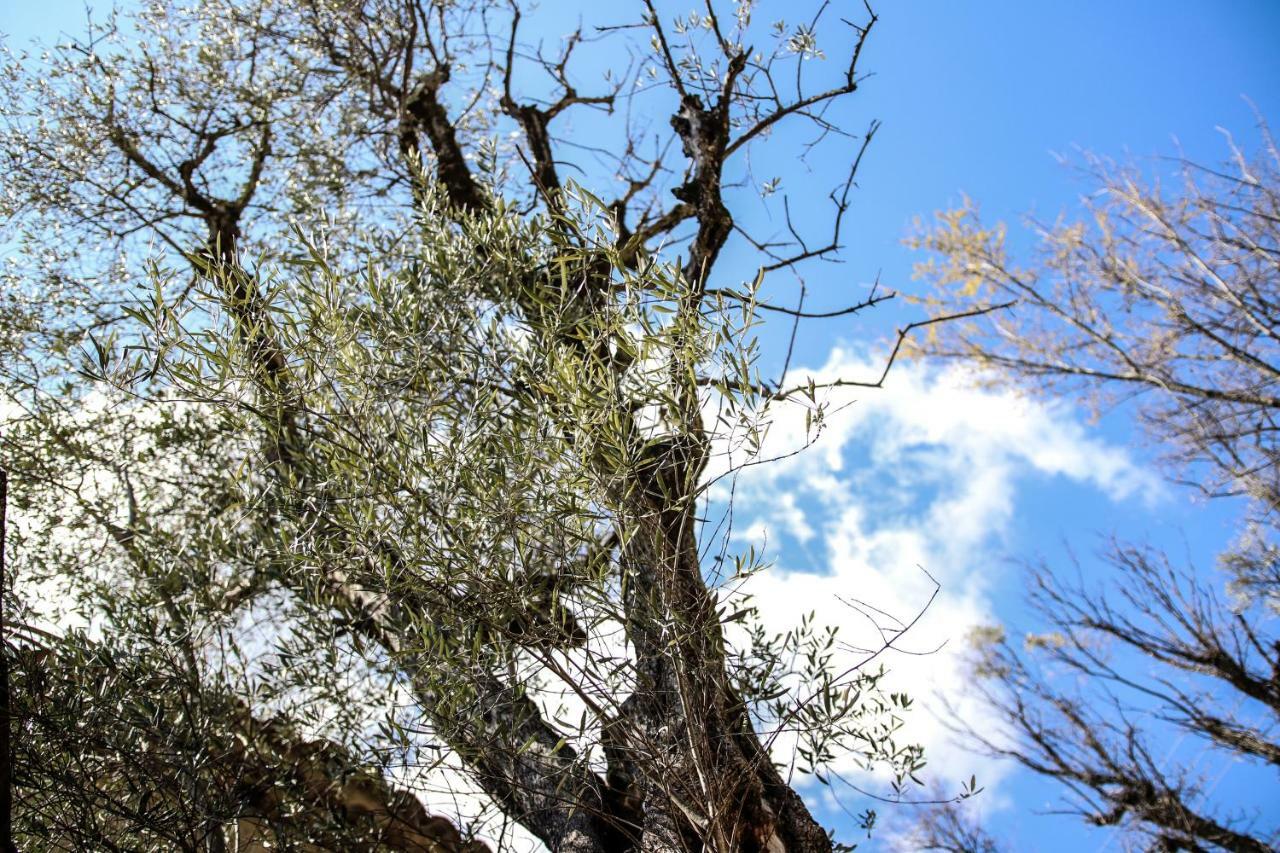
x=948, y=828
x=1170, y=300
x=358, y=438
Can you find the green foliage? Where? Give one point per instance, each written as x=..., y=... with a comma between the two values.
x=367, y=448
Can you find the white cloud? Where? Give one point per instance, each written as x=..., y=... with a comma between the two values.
x=915, y=481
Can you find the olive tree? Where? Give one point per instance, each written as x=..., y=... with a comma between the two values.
x=363, y=438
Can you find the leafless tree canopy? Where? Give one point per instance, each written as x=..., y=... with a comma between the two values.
x=1169, y=298
x=948, y=828
x=1164, y=296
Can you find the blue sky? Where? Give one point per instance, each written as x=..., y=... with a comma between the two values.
x=978, y=98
